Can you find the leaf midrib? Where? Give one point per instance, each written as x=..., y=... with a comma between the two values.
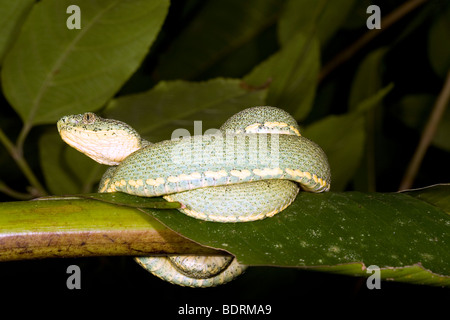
x=59, y=62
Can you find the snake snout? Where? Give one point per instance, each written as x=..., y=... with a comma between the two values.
x=61, y=122
x=64, y=121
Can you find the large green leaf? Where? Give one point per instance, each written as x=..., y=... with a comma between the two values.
x=404, y=234
x=13, y=13
x=323, y=17
x=155, y=114
x=341, y=232
x=291, y=75
x=52, y=70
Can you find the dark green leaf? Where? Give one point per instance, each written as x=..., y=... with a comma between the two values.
x=323, y=17
x=155, y=114
x=241, y=61
x=437, y=195
x=220, y=28
x=415, y=109
x=342, y=138
x=368, y=78
x=52, y=71
x=404, y=234
x=340, y=232
x=291, y=74
x=366, y=83
x=357, y=16
x=13, y=13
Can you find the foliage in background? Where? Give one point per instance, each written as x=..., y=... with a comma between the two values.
x=159, y=66
x=204, y=66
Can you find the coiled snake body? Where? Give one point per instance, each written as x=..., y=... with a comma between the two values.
x=248, y=170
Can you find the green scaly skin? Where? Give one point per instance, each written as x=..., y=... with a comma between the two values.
x=251, y=169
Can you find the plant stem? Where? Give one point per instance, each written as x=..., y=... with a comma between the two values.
x=13, y=193
x=7, y=143
x=17, y=154
x=74, y=227
x=386, y=22
x=427, y=135
x=21, y=139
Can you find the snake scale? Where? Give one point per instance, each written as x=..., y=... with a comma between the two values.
x=249, y=169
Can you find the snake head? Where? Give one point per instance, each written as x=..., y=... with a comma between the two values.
x=106, y=141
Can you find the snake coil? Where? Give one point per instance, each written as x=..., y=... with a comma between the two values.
x=250, y=169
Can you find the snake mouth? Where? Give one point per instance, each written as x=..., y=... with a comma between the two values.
x=107, y=148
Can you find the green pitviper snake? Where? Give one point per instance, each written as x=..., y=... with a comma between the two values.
x=250, y=169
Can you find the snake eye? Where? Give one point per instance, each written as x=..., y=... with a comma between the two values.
x=89, y=118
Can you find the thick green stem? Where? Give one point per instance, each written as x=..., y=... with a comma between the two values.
x=75, y=227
